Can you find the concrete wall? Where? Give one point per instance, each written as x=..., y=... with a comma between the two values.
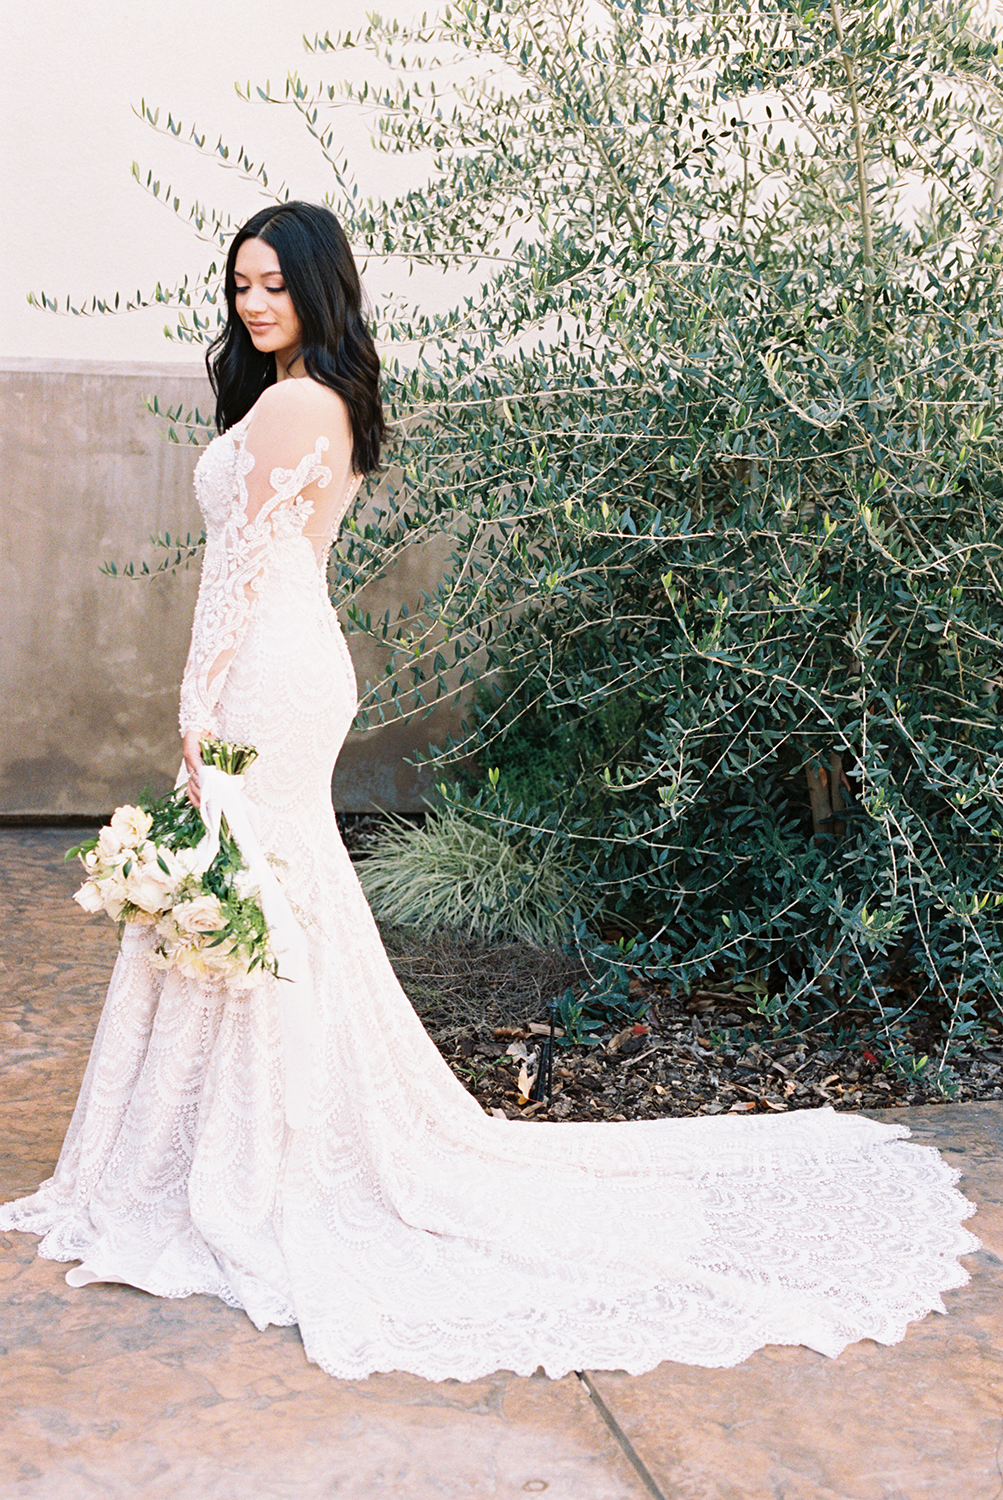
x=90, y=666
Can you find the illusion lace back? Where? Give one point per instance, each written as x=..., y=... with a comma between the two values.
x=401, y=1227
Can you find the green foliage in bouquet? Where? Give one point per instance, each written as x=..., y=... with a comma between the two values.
x=142, y=869
x=716, y=448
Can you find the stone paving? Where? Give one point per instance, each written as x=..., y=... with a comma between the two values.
x=107, y=1392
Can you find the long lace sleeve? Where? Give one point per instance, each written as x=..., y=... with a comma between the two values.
x=280, y=469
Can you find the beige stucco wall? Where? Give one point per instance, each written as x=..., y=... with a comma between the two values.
x=77, y=224
x=89, y=666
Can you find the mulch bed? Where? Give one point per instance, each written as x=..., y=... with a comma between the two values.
x=484, y=1005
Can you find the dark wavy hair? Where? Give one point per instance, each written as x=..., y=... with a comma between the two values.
x=337, y=347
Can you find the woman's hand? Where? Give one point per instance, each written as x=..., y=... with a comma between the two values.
x=193, y=765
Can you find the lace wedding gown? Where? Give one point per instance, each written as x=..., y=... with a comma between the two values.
x=401, y=1227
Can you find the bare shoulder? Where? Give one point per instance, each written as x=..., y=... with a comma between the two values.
x=291, y=417
x=304, y=399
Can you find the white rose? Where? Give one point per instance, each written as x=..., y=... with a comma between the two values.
x=189, y=960
x=89, y=897
x=131, y=824
x=238, y=978
x=218, y=958
x=244, y=884
x=154, y=857
x=202, y=914
x=113, y=894
x=230, y=964
x=148, y=889
x=109, y=843
x=186, y=860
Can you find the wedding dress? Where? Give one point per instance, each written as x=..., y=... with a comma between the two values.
x=401, y=1227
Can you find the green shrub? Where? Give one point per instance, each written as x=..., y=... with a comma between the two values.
x=457, y=875
x=730, y=531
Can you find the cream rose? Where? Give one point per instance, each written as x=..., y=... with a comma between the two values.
x=109, y=844
x=130, y=825
x=144, y=890
x=229, y=964
x=244, y=885
x=89, y=897
x=154, y=857
x=148, y=885
x=239, y=979
x=184, y=859
x=113, y=894
x=201, y=914
x=190, y=961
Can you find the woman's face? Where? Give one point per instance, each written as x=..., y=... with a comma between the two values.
x=264, y=306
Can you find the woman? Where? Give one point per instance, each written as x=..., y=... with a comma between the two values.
x=398, y=1225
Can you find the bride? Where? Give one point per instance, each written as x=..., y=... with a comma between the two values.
x=398, y=1225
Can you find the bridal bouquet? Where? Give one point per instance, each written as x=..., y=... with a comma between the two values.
x=148, y=866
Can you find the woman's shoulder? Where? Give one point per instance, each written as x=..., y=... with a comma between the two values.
x=291, y=417
x=306, y=397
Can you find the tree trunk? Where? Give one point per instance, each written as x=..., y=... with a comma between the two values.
x=825, y=789
x=837, y=781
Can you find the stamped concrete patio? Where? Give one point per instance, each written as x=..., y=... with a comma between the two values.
x=107, y=1392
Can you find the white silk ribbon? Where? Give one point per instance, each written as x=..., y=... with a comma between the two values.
x=222, y=795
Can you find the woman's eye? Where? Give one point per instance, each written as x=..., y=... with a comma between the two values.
x=275, y=289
